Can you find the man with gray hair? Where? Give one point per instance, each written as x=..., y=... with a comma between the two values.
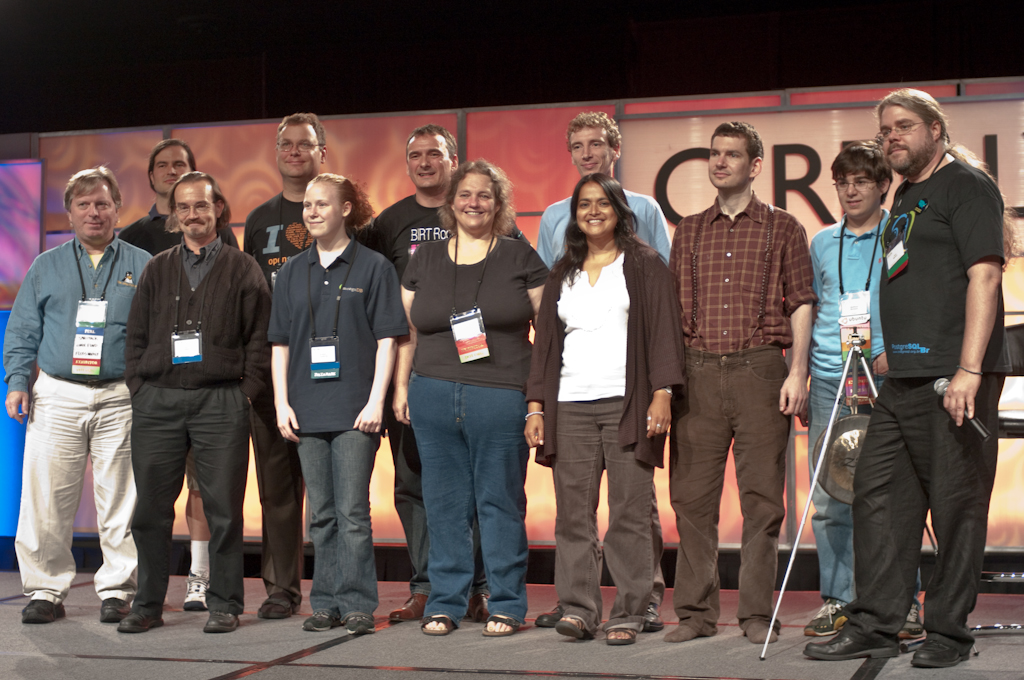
x=69, y=319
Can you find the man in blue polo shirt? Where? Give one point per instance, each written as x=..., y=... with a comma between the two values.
x=847, y=260
x=69, y=319
x=595, y=144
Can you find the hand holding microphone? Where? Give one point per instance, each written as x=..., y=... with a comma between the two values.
x=941, y=385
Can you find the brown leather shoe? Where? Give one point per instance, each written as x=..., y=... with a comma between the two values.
x=412, y=610
x=477, y=610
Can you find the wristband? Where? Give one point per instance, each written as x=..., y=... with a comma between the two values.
x=967, y=370
x=534, y=413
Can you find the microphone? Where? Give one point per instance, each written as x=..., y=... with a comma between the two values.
x=941, y=385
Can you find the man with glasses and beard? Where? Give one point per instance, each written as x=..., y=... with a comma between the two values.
x=942, y=309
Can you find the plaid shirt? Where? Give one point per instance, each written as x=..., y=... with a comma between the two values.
x=730, y=271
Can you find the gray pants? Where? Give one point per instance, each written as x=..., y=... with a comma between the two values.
x=587, y=446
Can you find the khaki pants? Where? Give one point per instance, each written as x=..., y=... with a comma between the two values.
x=70, y=424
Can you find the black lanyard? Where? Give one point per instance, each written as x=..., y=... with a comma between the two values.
x=455, y=276
x=898, y=199
x=177, y=296
x=874, y=249
x=81, y=279
x=341, y=289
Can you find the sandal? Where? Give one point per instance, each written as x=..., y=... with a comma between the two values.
x=573, y=626
x=512, y=624
x=447, y=625
x=628, y=636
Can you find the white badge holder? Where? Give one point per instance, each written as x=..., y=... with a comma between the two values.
x=90, y=323
x=187, y=347
x=469, y=334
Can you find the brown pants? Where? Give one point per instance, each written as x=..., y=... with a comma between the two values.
x=732, y=398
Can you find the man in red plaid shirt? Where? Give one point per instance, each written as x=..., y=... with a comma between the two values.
x=745, y=281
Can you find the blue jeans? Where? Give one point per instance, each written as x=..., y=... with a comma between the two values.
x=474, y=459
x=337, y=468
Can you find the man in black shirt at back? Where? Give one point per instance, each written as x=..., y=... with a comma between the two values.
x=431, y=154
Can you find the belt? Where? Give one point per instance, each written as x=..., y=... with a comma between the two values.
x=87, y=383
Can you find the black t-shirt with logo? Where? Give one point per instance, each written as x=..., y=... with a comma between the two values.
x=923, y=307
x=275, y=232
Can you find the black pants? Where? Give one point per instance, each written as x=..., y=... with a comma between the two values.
x=916, y=459
x=279, y=477
x=216, y=420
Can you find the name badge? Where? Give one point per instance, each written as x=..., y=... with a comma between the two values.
x=273, y=280
x=187, y=347
x=855, y=322
x=469, y=334
x=323, y=358
x=896, y=256
x=90, y=323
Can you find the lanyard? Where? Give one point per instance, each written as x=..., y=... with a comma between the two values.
x=769, y=239
x=341, y=289
x=898, y=199
x=871, y=267
x=113, y=266
x=177, y=297
x=455, y=276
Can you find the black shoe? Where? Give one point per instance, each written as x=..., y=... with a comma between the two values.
x=42, y=611
x=551, y=618
x=844, y=646
x=221, y=622
x=321, y=620
x=652, y=621
x=935, y=654
x=277, y=606
x=137, y=622
x=113, y=610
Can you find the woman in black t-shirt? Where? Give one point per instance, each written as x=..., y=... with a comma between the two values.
x=470, y=300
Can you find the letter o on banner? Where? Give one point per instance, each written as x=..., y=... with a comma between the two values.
x=661, y=181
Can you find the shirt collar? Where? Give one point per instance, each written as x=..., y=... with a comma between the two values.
x=154, y=213
x=204, y=251
x=80, y=249
x=755, y=210
x=313, y=255
x=869, y=233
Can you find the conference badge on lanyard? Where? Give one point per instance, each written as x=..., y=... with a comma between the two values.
x=470, y=338
x=187, y=347
x=90, y=322
x=855, y=329
x=323, y=358
x=896, y=255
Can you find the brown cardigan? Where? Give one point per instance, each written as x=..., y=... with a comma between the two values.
x=654, y=354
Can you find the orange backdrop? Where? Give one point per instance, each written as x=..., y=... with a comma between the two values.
x=529, y=144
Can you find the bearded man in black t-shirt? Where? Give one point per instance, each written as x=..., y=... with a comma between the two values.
x=941, y=309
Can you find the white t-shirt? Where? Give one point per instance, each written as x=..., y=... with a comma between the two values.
x=594, y=353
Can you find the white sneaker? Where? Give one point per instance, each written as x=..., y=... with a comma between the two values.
x=195, y=593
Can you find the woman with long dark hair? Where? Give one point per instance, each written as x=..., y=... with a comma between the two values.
x=608, y=357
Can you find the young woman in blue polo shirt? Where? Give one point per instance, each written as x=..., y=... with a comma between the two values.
x=337, y=310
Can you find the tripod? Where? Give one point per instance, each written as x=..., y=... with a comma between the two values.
x=855, y=362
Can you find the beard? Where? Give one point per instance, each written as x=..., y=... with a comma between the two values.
x=916, y=160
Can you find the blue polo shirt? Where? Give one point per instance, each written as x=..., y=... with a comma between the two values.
x=826, y=351
x=41, y=328
x=371, y=309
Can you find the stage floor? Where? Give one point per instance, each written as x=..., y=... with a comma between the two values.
x=79, y=647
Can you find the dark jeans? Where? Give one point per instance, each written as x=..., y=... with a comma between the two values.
x=409, y=504
x=474, y=461
x=216, y=420
x=916, y=459
x=279, y=478
x=732, y=399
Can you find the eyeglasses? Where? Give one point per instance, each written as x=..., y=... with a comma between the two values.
x=201, y=208
x=304, y=147
x=903, y=129
x=860, y=184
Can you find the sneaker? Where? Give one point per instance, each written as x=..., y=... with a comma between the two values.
x=195, y=593
x=652, y=620
x=829, y=619
x=320, y=621
x=912, y=628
